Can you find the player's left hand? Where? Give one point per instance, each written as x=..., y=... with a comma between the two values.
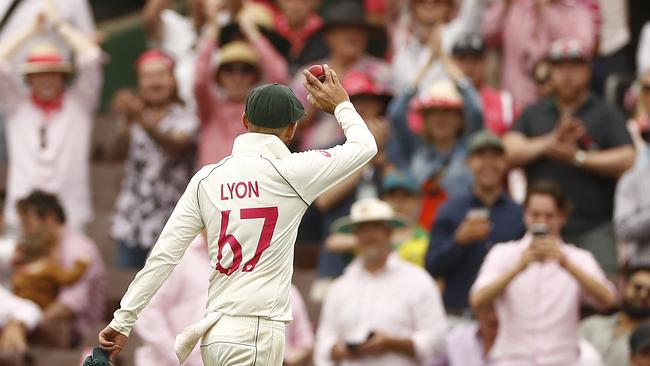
x=375, y=345
x=112, y=342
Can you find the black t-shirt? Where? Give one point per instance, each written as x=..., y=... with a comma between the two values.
x=592, y=195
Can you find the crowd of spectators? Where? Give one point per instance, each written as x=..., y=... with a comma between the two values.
x=503, y=221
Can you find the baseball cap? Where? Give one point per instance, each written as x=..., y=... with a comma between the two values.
x=565, y=49
x=484, y=140
x=470, y=44
x=273, y=106
x=640, y=338
x=399, y=180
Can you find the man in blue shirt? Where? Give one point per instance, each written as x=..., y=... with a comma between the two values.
x=468, y=225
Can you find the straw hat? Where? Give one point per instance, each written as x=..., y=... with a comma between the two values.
x=237, y=51
x=45, y=58
x=368, y=210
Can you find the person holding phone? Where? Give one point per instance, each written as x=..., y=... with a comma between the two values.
x=383, y=311
x=537, y=285
x=467, y=226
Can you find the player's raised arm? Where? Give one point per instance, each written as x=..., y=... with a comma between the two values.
x=181, y=228
x=313, y=172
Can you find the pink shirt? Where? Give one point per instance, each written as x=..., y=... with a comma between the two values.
x=401, y=300
x=86, y=298
x=221, y=118
x=299, y=332
x=525, y=35
x=51, y=152
x=179, y=303
x=539, y=310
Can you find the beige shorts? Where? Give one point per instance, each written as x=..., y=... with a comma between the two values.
x=244, y=341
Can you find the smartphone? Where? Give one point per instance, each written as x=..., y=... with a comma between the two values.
x=539, y=230
x=353, y=346
x=478, y=213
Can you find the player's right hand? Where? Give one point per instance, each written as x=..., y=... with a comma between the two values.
x=328, y=94
x=112, y=342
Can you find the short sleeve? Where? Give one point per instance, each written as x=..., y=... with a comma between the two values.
x=523, y=123
x=617, y=132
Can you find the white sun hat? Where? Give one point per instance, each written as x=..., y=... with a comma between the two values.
x=368, y=210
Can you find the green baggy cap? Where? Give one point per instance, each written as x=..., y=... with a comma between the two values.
x=484, y=140
x=273, y=106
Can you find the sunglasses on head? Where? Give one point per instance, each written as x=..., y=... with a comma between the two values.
x=239, y=67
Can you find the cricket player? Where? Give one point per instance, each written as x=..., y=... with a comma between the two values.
x=250, y=204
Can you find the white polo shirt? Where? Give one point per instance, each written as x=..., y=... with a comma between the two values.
x=251, y=204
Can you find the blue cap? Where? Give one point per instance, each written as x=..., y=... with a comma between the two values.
x=399, y=180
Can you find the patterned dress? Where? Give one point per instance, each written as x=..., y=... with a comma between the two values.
x=154, y=181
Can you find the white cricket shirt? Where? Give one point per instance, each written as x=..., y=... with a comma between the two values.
x=251, y=204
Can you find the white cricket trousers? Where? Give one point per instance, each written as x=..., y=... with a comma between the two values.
x=244, y=341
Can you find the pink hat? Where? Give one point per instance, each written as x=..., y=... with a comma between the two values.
x=45, y=58
x=361, y=83
x=151, y=56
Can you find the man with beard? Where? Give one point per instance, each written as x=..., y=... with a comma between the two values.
x=382, y=310
x=610, y=334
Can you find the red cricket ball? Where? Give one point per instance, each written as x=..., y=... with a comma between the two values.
x=318, y=71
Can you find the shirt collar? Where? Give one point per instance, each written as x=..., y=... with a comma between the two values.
x=502, y=198
x=50, y=106
x=260, y=143
x=392, y=263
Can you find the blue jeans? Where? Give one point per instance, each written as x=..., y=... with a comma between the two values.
x=130, y=256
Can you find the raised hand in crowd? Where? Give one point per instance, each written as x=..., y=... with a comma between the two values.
x=474, y=228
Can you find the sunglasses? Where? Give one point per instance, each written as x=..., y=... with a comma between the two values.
x=239, y=68
x=645, y=87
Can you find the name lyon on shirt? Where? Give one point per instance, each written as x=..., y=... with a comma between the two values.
x=239, y=190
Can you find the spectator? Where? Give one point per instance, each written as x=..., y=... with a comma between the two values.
x=579, y=141
x=158, y=133
x=241, y=65
x=640, y=345
x=18, y=317
x=611, y=334
x=346, y=34
x=632, y=205
x=612, y=55
x=79, y=306
x=179, y=303
x=299, y=343
x=468, y=225
x=300, y=24
x=536, y=285
x=358, y=325
x=431, y=129
x=402, y=194
x=525, y=29
x=75, y=12
x=470, y=344
x=415, y=30
x=498, y=106
x=42, y=153
x=37, y=277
